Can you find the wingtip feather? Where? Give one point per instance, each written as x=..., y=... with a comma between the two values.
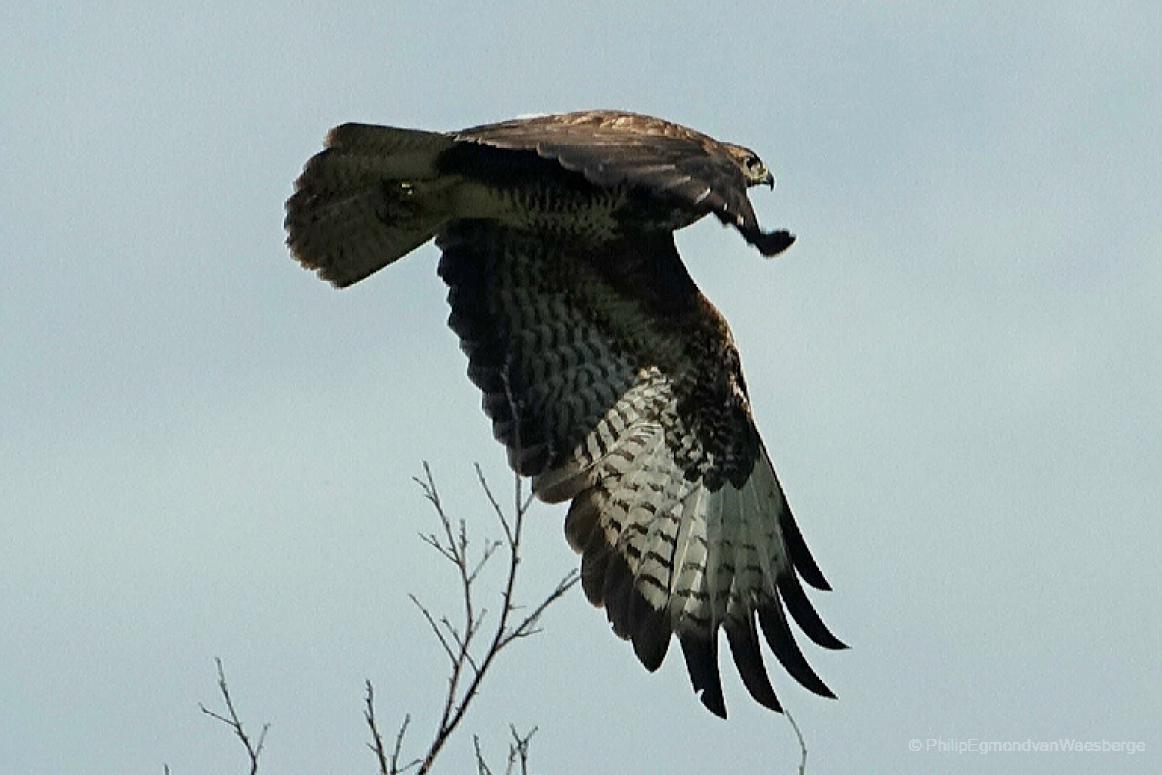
x=701, y=655
x=744, y=647
x=782, y=643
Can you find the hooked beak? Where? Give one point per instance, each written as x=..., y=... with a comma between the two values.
x=770, y=180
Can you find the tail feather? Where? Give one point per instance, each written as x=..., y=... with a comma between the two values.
x=416, y=147
x=365, y=201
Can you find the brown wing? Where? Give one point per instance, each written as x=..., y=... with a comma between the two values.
x=614, y=383
x=613, y=147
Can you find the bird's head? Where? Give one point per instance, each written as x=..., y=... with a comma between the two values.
x=752, y=167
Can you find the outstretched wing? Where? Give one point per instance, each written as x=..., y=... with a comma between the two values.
x=615, y=383
x=612, y=147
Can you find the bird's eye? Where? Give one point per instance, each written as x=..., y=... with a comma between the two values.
x=752, y=162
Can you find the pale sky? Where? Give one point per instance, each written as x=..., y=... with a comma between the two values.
x=205, y=451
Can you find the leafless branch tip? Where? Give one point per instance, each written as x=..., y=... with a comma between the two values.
x=230, y=719
x=470, y=653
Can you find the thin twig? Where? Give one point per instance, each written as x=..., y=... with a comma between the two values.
x=518, y=750
x=253, y=750
x=376, y=744
x=528, y=626
x=496, y=509
x=435, y=627
x=403, y=728
x=388, y=764
x=802, y=742
x=481, y=766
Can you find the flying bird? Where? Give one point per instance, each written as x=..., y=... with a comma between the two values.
x=612, y=381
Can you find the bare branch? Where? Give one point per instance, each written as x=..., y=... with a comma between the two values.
x=518, y=750
x=395, y=768
x=489, y=550
x=528, y=626
x=388, y=764
x=496, y=509
x=457, y=643
x=469, y=664
x=253, y=749
x=376, y=744
x=435, y=628
x=802, y=742
x=434, y=542
x=481, y=766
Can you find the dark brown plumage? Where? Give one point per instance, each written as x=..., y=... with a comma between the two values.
x=610, y=378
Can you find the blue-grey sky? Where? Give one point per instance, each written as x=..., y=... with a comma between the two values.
x=204, y=451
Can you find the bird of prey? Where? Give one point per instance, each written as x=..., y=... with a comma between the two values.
x=612, y=381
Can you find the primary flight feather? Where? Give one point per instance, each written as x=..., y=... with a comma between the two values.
x=613, y=382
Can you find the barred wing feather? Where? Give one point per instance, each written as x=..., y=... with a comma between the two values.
x=615, y=384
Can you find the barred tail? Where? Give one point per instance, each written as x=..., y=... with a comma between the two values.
x=369, y=198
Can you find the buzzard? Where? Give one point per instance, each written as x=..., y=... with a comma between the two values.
x=613, y=382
